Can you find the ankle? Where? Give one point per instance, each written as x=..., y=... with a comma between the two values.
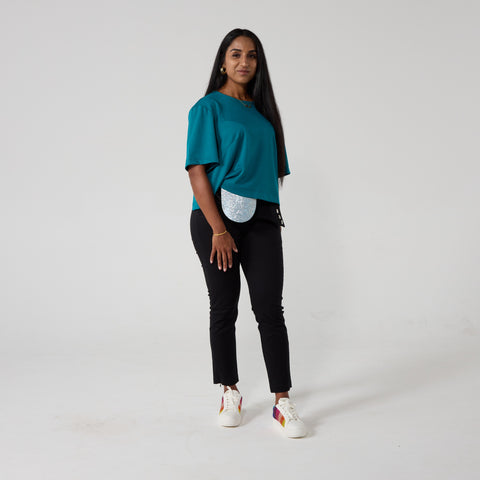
x=233, y=387
x=280, y=395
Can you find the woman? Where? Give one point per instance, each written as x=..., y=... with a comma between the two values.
x=235, y=159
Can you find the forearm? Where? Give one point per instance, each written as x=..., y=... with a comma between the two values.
x=202, y=190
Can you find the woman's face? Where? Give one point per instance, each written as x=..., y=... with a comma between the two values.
x=241, y=60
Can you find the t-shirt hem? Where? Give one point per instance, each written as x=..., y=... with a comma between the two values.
x=251, y=194
x=206, y=163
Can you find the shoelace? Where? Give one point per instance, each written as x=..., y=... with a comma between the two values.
x=228, y=402
x=290, y=411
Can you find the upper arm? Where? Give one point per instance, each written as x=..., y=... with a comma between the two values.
x=194, y=170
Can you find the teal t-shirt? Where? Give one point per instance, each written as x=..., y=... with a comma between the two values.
x=237, y=146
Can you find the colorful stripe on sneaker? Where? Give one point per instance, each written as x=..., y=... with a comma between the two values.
x=277, y=415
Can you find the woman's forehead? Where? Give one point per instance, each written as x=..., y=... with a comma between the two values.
x=241, y=43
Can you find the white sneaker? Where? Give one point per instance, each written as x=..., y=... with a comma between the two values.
x=231, y=408
x=285, y=415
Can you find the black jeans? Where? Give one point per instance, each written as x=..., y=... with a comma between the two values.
x=260, y=255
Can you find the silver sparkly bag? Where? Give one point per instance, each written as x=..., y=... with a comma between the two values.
x=237, y=208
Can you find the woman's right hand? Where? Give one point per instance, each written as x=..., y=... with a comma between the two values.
x=223, y=246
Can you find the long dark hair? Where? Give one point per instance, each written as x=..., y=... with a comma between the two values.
x=259, y=88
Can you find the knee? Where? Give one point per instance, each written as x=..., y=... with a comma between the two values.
x=223, y=316
x=269, y=314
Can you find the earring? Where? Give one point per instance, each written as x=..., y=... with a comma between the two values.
x=223, y=70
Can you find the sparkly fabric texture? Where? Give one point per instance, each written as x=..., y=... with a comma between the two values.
x=237, y=208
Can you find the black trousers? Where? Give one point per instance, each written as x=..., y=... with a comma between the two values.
x=260, y=255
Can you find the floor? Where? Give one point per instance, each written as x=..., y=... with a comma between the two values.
x=145, y=407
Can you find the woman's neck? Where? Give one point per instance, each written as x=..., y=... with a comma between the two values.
x=236, y=91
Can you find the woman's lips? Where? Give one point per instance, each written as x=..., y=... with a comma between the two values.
x=243, y=71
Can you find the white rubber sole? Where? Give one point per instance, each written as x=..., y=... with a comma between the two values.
x=229, y=422
x=289, y=435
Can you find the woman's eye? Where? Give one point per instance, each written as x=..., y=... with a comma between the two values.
x=252, y=55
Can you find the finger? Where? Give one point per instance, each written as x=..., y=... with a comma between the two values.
x=212, y=255
x=230, y=258
x=235, y=249
x=219, y=259
x=225, y=261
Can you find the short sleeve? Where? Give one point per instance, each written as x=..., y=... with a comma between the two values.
x=201, y=137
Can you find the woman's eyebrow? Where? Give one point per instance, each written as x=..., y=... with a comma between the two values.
x=239, y=50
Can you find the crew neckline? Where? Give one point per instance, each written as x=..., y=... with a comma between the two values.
x=235, y=98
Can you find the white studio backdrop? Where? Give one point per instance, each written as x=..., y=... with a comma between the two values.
x=379, y=102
